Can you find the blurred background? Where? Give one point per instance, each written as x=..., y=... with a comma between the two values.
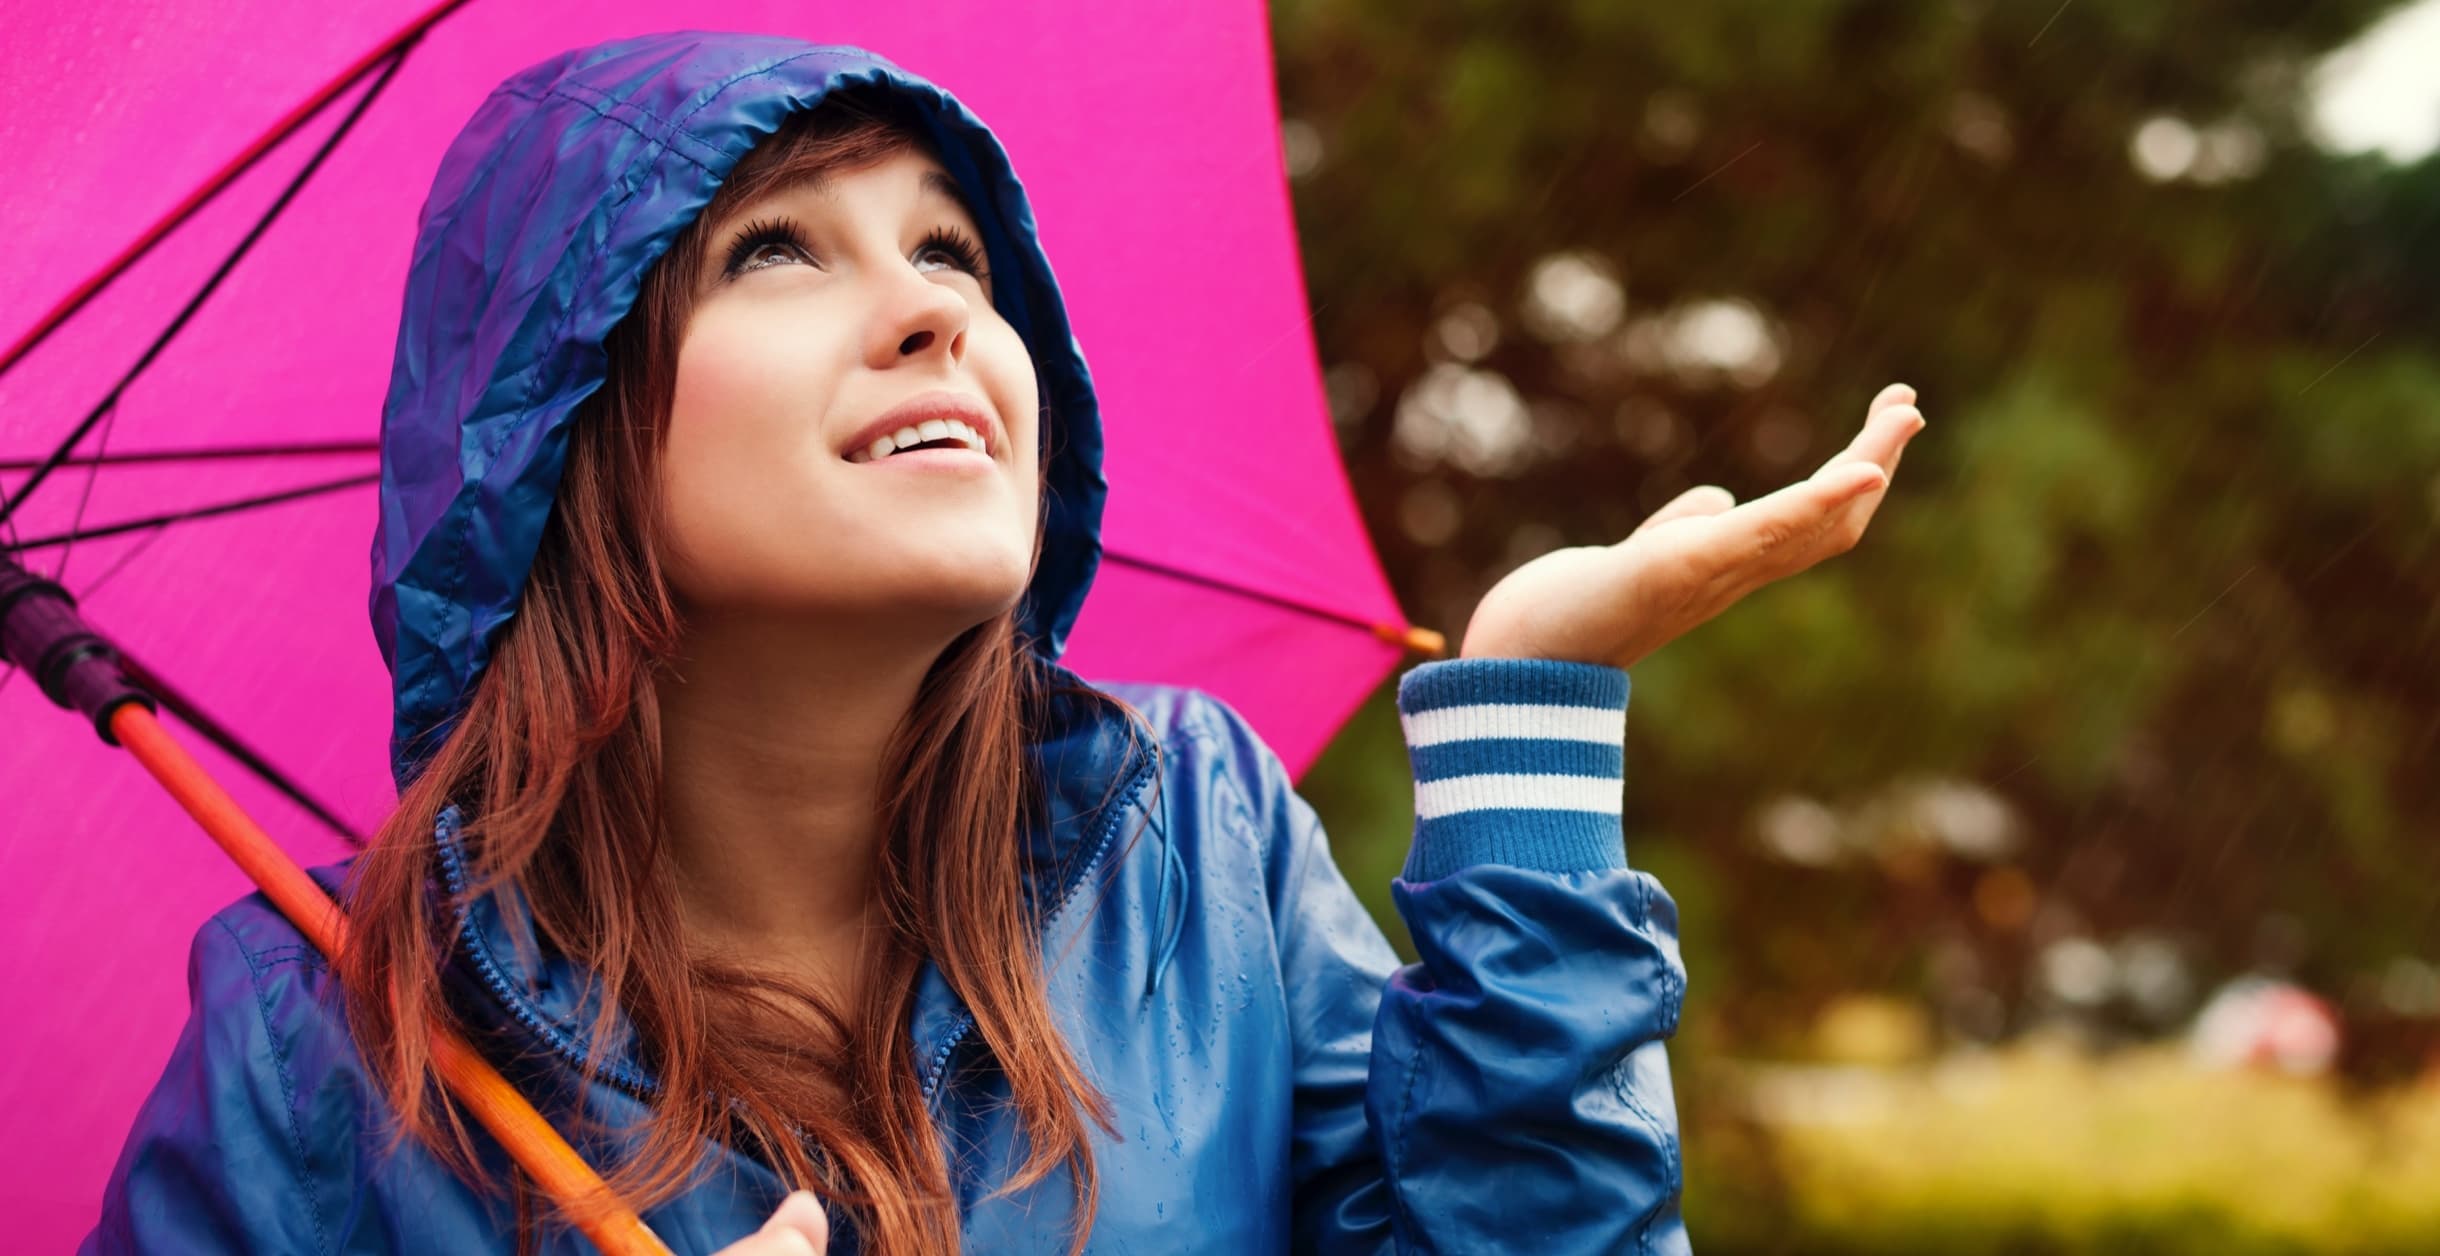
x=2060, y=869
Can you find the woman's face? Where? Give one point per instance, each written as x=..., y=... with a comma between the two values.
x=830, y=315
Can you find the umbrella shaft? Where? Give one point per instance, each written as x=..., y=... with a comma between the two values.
x=520, y=1129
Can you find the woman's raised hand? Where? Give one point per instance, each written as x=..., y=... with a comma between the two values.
x=798, y=1227
x=1692, y=559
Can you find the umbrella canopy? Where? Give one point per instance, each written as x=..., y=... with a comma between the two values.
x=210, y=219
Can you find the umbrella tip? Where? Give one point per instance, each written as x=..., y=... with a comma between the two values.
x=1421, y=641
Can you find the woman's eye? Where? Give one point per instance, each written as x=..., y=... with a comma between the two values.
x=778, y=237
x=759, y=237
x=957, y=248
x=758, y=252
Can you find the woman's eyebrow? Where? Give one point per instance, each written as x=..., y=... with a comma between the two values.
x=942, y=185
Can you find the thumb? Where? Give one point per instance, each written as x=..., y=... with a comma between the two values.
x=1702, y=499
x=801, y=1213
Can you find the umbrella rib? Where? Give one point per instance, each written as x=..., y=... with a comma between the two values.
x=1398, y=634
x=218, y=734
x=203, y=195
x=127, y=457
x=200, y=512
x=204, y=293
x=84, y=498
x=90, y=587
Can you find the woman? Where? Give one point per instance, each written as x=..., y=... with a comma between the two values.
x=740, y=483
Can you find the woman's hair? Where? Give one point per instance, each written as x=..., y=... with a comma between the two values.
x=556, y=767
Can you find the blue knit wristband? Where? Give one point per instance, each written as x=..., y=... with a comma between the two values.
x=1519, y=762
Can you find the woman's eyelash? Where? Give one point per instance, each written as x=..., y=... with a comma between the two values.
x=958, y=245
x=765, y=233
x=762, y=234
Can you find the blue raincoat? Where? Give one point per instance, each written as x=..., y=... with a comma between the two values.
x=1280, y=1082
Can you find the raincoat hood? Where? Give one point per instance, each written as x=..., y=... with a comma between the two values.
x=572, y=178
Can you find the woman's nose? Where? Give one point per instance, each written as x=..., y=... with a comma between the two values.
x=918, y=317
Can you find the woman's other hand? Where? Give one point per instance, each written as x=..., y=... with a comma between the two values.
x=1692, y=559
x=798, y=1227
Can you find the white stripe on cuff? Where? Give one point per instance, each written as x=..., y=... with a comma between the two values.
x=1458, y=794
x=1515, y=719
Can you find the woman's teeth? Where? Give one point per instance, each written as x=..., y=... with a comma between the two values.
x=920, y=433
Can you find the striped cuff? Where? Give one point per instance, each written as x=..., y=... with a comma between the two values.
x=1520, y=762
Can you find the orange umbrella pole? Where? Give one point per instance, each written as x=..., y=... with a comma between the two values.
x=520, y=1129
x=40, y=632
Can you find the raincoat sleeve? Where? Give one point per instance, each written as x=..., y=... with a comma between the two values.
x=218, y=1159
x=1510, y=1091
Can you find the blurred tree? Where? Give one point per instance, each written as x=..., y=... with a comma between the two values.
x=2136, y=680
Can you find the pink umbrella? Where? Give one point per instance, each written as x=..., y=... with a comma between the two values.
x=209, y=222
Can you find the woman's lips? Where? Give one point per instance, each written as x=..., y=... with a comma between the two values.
x=954, y=460
x=939, y=403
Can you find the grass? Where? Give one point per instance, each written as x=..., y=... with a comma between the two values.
x=2040, y=1149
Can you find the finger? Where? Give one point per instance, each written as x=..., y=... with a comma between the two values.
x=1702, y=499
x=1799, y=525
x=1883, y=438
x=769, y=1242
x=1905, y=438
x=1891, y=395
x=801, y=1215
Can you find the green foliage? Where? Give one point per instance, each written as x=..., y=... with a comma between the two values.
x=2162, y=576
x=2162, y=573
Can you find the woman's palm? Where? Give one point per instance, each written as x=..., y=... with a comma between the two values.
x=1694, y=558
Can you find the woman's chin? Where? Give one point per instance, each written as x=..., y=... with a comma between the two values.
x=969, y=587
